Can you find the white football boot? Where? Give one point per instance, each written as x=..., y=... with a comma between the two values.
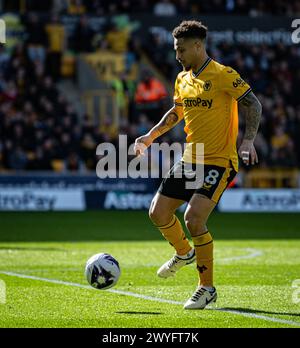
x=201, y=298
x=169, y=268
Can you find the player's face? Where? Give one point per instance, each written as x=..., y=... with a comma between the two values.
x=187, y=51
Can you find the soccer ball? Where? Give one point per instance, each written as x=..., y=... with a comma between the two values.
x=102, y=271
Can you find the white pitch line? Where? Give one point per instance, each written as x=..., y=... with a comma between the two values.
x=88, y=287
x=263, y=317
x=150, y=298
x=253, y=253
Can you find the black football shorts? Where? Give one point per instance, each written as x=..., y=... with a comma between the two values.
x=180, y=183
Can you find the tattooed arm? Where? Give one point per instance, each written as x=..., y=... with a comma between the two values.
x=252, y=109
x=168, y=121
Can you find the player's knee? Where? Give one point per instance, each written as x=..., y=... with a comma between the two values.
x=196, y=224
x=158, y=216
x=154, y=215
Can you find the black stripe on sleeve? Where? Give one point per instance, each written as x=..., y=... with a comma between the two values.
x=244, y=95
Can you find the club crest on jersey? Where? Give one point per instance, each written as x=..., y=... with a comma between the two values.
x=207, y=85
x=197, y=102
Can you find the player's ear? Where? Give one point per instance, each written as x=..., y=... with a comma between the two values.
x=198, y=44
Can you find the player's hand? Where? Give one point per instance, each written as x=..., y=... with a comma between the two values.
x=248, y=153
x=141, y=144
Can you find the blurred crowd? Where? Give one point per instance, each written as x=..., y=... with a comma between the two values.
x=41, y=130
x=252, y=8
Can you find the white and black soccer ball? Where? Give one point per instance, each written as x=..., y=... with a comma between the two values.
x=102, y=271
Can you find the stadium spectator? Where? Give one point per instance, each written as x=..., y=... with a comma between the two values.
x=160, y=54
x=83, y=36
x=76, y=7
x=59, y=6
x=150, y=89
x=165, y=8
x=280, y=139
x=18, y=159
x=35, y=5
x=87, y=150
x=36, y=39
x=73, y=163
x=149, y=96
x=143, y=125
x=56, y=46
x=183, y=7
x=117, y=39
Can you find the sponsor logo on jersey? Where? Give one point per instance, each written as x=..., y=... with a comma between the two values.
x=197, y=102
x=207, y=85
x=239, y=82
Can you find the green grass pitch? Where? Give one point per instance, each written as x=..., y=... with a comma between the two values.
x=257, y=260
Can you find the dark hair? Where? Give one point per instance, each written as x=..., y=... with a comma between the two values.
x=190, y=29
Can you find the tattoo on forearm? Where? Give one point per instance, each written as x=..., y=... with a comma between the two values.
x=252, y=110
x=167, y=122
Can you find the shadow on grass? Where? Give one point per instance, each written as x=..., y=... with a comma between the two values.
x=30, y=249
x=258, y=311
x=142, y=313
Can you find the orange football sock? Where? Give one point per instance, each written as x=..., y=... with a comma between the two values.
x=204, y=255
x=173, y=232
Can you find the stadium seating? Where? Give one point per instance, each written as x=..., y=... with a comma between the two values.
x=40, y=131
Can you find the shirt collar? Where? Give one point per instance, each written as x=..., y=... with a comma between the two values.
x=204, y=65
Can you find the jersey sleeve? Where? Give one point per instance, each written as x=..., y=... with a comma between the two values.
x=232, y=83
x=177, y=98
